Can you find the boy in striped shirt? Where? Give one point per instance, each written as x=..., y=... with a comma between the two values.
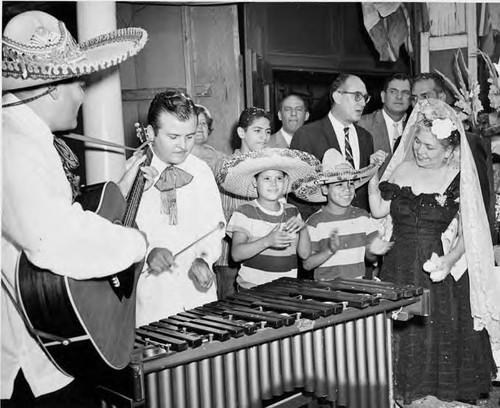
x=342, y=236
x=267, y=233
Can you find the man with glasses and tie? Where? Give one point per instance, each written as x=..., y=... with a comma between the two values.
x=338, y=130
x=181, y=208
x=386, y=124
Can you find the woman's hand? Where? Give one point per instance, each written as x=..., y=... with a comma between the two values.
x=379, y=246
x=378, y=157
x=438, y=267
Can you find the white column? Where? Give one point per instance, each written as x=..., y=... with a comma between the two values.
x=102, y=108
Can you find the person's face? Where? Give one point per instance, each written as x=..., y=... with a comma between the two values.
x=201, y=135
x=428, y=150
x=292, y=114
x=397, y=97
x=340, y=194
x=425, y=89
x=256, y=136
x=347, y=109
x=270, y=184
x=70, y=97
x=175, y=138
x=496, y=177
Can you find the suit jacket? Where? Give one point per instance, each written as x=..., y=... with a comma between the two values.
x=375, y=124
x=277, y=140
x=316, y=138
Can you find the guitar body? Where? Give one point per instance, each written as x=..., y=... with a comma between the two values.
x=93, y=309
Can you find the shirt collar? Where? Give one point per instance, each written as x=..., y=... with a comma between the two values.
x=337, y=124
x=287, y=136
x=391, y=121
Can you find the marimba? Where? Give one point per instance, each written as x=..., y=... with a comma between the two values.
x=330, y=340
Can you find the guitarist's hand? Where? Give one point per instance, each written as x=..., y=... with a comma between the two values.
x=132, y=165
x=160, y=260
x=201, y=274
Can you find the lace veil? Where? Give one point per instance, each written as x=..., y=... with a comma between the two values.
x=484, y=277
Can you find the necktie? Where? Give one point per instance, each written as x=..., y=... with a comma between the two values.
x=69, y=163
x=348, y=149
x=170, y=180
x=395, y=136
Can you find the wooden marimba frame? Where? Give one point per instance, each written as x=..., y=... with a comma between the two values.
x=343, y=356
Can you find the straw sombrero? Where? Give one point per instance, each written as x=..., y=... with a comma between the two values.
x=335, y=169
x=238, y=171
x=37, y=49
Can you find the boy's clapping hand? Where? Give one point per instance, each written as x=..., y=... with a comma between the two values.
x=278, y=238
x=294, y=225
x=330, y=244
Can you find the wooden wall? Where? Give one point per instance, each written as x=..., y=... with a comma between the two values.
x=192, y=49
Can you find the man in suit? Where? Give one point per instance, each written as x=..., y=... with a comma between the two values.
x=431, y=85
x=348, y=98
x=386, y=124
x=292, y=114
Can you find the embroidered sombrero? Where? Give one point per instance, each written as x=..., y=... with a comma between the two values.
x=37, y=49
x=335, y=169
x=238, y=171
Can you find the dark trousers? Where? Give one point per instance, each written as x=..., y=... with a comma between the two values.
x=226, y=280
x=75, y=395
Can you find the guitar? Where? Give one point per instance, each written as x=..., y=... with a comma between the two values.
x=96, y=317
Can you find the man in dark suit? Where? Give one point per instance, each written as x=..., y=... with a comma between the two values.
x=348, y=98
x=431, y=85
x=292, y=114
x=386, y=124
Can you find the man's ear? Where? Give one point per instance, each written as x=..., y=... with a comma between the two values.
x=382, y=96
x=336, y=97
x=150, y=133
x=306, y=118
x=241, y=132
x=279, y=116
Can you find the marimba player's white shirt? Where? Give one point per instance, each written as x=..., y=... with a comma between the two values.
x=199, y=210
x=37, y=215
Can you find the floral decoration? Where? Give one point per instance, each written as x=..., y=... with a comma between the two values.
x=494, y=80
x=467, y=95
x=442, y=128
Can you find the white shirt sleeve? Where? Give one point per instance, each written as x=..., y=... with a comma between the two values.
x=38, y=216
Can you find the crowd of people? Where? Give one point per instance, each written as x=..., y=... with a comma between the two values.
x=404, y=195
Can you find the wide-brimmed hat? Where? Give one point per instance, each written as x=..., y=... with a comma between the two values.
x=37, y=49
x=335, y=168
x=238, y=171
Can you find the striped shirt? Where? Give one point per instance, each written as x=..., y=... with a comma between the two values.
x=356, y=229
x=256, y=222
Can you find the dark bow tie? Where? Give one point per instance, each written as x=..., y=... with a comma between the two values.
x=170, y=180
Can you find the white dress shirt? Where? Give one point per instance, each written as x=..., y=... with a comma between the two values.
x=286, y=136
x=338, y=127
x=199, y=210
x=394, y=129
x=39, y=217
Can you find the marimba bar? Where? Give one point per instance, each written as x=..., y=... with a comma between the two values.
x=330, y=340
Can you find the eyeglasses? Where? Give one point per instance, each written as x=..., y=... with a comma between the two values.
x=358, y=96
x=397, y=92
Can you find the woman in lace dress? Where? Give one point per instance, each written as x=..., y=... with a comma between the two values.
x=431, y=187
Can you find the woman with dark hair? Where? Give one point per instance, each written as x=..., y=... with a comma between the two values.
x=431, y=191
x=201, y=148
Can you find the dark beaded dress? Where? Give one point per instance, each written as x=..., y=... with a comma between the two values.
x=439, y=355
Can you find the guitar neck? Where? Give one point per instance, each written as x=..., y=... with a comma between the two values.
x=135, y=194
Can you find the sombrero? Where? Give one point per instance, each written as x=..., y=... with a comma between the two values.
x=37, y=49
x=238, y=171
x=335, y=169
